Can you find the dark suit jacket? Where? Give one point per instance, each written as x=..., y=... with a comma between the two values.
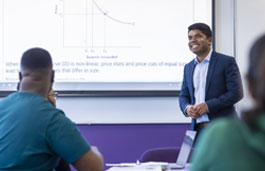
x=223, y=86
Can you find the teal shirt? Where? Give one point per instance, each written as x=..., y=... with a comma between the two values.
x=33, y=134
x=229, y=145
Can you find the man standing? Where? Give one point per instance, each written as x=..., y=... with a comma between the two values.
x=211, y=83
x=34, y=134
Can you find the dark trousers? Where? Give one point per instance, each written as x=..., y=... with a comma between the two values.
x=199, y=128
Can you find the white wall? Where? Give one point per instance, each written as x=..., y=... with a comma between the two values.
x=250, y=23
x=123, y=110
x=225, y=26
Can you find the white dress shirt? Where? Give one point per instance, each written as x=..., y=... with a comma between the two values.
x=199, y=83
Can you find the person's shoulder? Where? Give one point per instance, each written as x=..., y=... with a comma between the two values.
x=48, y=111
x=223, y=57
x=54, y=112
x=13, y=95
x=223, y=123
x=58, y=115
x=23, y=99
x=223, y=126
x=190, y=64
x=218, y=133
x=8, y=97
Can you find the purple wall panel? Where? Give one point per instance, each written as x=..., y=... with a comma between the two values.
x=126, y=142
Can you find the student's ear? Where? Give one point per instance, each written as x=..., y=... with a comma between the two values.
x=20, y=76
x=52, y=77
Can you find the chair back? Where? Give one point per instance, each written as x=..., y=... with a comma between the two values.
x=165, y=154
x=169, y=155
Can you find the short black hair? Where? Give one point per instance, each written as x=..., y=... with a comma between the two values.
x=36, y=58
x=204, y=28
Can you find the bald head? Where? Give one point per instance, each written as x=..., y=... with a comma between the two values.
x=36, y=73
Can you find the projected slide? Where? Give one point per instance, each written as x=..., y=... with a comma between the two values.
x=102, y=44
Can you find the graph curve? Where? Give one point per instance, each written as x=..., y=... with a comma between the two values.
x=110, y=17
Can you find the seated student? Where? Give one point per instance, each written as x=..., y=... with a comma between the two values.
x=34, y=134
x=62, y=165
x=238, y=144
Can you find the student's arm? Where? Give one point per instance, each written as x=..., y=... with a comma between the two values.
x=67, y=142
x=90, y=161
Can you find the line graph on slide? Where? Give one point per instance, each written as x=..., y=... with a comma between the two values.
x=87, y=24
x=101, y=40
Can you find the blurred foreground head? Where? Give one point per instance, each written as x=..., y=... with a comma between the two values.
x=256, y=78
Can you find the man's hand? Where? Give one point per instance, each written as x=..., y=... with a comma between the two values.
x=196, y=111
x=200, y=109
x=191, y=111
